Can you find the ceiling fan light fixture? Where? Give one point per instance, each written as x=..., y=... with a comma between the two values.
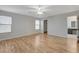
x=39, y=8
x=39, y=12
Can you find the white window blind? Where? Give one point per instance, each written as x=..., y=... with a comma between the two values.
x=5, y=24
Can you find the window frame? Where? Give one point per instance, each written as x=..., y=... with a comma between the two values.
x=6, y=26
x=37, y=24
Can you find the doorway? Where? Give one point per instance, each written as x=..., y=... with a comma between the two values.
x=45, y=26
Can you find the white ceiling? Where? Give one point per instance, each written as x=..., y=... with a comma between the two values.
x=31, y=10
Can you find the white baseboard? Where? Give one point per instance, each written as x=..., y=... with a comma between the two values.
x=57, y=36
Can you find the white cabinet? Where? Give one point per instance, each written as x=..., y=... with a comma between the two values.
x=73, y=26
x=72, y=22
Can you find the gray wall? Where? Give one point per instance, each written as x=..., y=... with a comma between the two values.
x=21, y=25
x=57, y=25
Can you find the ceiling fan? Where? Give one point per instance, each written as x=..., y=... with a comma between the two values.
x=37, y=9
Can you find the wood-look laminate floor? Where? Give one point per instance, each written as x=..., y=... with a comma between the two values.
x=41, y=43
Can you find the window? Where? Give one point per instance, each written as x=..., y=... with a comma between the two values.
x=37, y=24
x=5, y=24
